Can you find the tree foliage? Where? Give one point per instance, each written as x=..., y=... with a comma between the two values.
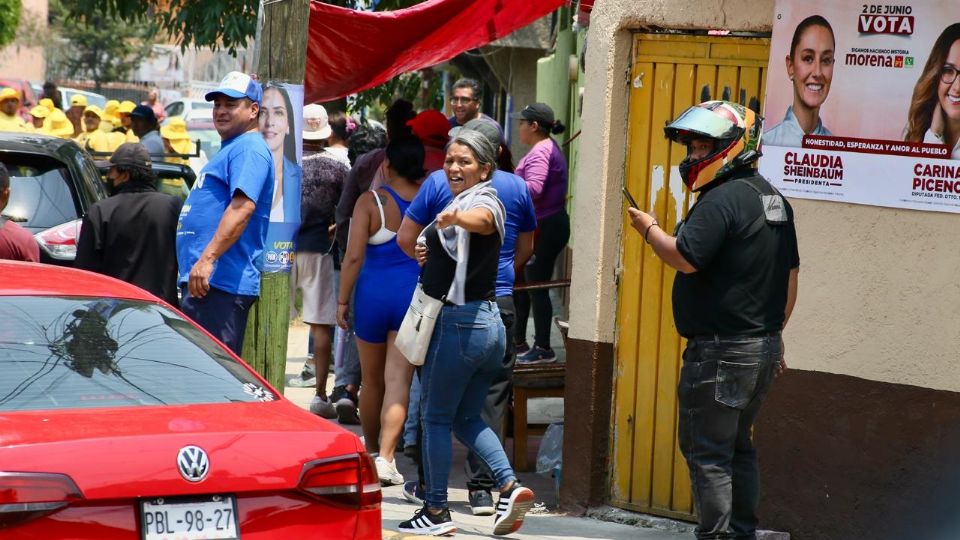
x=10, y=11
x=97, y=47
x=227, y=24
x=422, y=88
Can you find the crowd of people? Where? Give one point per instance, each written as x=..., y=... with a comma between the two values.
x=99, y=130
x=431, y=205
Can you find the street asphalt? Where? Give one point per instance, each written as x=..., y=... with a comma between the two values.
x=543, y=522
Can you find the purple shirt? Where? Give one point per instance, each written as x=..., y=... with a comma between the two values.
x=544, y=169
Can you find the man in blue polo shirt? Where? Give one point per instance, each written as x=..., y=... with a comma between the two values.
x=521, y=222
x=223, y=224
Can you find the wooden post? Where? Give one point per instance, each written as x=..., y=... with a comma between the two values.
x=281, y=55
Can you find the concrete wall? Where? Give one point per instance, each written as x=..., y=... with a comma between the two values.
x=24, y=60
x=597, y=207
x=879, y=300
x=516, y=69
x=855, y=441
x=604, y=140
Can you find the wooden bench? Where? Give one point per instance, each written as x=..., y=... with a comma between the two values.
x=535, y=381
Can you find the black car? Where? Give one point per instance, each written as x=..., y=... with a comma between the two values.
x=52, y=184
x=173, y=178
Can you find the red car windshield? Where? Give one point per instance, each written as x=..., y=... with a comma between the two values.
x=70, y=353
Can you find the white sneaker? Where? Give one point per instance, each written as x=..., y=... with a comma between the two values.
x=322, y=407
x=388, y=473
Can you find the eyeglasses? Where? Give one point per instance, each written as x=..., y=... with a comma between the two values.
x=461, y=100
x=948, y=74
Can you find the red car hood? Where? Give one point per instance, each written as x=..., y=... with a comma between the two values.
x=132, y=452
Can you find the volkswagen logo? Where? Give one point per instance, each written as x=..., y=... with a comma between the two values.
x=193, y=463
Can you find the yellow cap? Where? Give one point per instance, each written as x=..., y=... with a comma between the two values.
x=111, y=107
x=60, y=125
x=126, y=107
x=40, y=111
x=9, y=93
x=94, y=110
x=48, y=103
x=175, y=130
x=78, y=100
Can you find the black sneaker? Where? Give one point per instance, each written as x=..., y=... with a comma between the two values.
x=481, y=503
x=346, y=404
x=425, y=522
x=511, y=507
x=413, y=492
x=537, y=355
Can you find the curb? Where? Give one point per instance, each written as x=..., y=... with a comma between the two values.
x=395, y=535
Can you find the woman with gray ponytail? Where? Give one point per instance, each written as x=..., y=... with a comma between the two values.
x=468, y=342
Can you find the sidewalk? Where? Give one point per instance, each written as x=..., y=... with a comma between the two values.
x=543, y=521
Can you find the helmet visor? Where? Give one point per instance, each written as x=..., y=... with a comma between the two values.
x=698, y=122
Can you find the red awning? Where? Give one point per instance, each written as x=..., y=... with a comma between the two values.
x=349, y=51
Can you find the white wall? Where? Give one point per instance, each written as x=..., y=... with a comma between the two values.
x=879, y=292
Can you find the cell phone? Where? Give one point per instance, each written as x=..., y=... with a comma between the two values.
x=630, y=199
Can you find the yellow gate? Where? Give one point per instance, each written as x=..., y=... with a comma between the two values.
x=669, y=74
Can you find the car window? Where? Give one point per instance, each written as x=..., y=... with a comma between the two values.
x=40, y=191
x=70, y=353
x=209, y=140
x=90, y=178
x=174, y=109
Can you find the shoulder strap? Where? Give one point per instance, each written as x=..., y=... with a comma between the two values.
x=376, y=197
x=772, y=202
x=396, y=196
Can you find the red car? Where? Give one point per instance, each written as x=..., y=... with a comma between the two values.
x=121, y=418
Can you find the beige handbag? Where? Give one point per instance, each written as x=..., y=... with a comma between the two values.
x=416, y=330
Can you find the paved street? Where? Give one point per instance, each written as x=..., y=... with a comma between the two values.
x=543, y=522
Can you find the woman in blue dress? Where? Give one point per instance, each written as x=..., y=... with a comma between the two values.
x=384, y=278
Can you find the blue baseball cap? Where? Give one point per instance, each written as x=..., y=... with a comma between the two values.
x=237, y=85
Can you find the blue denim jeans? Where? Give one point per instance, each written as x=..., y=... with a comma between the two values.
x=465, y=354
x=723, y=383
x=412, y=425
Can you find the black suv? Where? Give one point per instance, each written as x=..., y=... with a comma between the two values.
x=52, y=184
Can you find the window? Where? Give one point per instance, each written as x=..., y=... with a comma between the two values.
x=40, y=191
x=174, y=109
x=69, y=353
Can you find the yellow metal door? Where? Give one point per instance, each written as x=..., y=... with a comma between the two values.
x=669, y=74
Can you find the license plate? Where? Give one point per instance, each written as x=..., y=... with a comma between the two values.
x=189, y=518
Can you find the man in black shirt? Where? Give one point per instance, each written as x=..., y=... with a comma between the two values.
x=737, y=257
x=131, y=236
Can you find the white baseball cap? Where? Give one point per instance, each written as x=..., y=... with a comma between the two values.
x=238, y=85
x=316, y=126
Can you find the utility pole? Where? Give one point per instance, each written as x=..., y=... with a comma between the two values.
x=281, y=56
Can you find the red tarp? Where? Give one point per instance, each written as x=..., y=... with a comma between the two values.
x=349, y=51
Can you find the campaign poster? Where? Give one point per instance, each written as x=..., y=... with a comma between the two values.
x=863, y=103
x=281, y=124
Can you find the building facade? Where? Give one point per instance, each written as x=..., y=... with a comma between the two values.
x=856, y=440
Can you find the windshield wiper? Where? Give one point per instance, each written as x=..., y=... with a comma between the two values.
x=15, y=219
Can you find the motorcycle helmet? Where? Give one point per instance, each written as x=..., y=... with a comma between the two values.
x=735, y=130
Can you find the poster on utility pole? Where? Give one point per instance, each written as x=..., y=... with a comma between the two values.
x=863, y=103
x=281, y=124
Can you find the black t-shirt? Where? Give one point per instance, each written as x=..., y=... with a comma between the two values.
x=438, y=273
x=740, y=286
x=322, y=185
